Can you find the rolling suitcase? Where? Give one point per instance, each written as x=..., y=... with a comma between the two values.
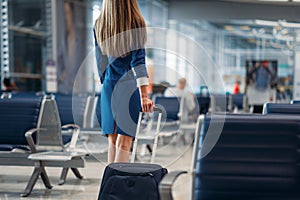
x=134, y=181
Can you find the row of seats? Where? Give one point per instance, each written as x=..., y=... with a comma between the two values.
x=228, y=103
x=65, y=103
x=243, y=156
x=220, y=103
x=252, y=157
x=31, y=135
x=85, y=110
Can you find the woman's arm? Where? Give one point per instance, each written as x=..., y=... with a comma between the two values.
x=139, y=68
x=101, y=60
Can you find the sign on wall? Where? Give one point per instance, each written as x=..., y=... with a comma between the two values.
x=51, y=76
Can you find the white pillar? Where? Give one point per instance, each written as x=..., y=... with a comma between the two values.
x=296, y=95
x=4, y=48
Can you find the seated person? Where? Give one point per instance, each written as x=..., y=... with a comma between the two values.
x=9, y=85
x=236, y=88
x=179, y=91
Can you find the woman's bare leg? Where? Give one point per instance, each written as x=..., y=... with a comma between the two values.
x=123, y=148
x=111, y=155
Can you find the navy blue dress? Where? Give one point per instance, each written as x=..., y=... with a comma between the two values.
x=120, y=98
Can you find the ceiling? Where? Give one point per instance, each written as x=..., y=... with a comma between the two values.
x=272, y=34
x=274, y=2
x=276, y=24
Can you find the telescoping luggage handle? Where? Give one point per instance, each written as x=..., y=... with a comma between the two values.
x=155, y=109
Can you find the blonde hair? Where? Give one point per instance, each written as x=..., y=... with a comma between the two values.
x=120, y=28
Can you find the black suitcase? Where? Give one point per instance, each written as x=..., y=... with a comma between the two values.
x=131, y=181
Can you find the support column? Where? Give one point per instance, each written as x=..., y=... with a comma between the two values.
x=296, y=95
x=4, y=48
x=51, y=47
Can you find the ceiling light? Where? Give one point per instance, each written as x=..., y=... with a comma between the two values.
x=251, y=40
x=245, y=28
x=229, y=28
x=265, y=23
x=284, y=31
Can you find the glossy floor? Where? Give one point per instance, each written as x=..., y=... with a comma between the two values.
x=13, y=180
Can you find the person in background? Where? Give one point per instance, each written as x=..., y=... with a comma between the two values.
x=9, y=85
x=236, y=88
x=179, y=91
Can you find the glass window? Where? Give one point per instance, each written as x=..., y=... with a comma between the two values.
x=27, y=27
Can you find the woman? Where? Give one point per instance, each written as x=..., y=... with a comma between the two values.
x=120, y=35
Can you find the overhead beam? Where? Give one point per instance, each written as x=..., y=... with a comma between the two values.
x=216, y=10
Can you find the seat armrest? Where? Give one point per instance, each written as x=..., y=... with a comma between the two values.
x=165, y=186
x=29, y=138
x=68, y=126
x=76, y=130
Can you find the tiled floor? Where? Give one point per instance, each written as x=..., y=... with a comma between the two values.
x=14, y=179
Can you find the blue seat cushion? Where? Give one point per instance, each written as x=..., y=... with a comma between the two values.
x=71, y=108
x=10, y=147
x=171, y=106
x=16, y=117
x=6, y=147
x=204, y=103
x=238, y=101
x=66, y=139
x=291, y=109
x=255, y=156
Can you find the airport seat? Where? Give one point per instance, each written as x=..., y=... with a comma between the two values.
x=91, y=135
x=238, y=102
x=287, y=111
x=295, y=102
x=16, y=117
x=255, y=157
x=97, y=115
x=21, y=95
x=65, y=105
x=34, y=123
x=74, y=110
x=219, y=103
x=280, y=108
x=204, y=104
x=71, y=111
x=172, y=108
x=171, y=105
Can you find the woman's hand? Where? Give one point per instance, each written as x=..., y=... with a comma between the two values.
x=147, y=104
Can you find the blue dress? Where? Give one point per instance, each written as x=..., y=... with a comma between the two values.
x=120, y=97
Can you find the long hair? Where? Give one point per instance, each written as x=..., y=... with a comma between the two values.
x=120, y=28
